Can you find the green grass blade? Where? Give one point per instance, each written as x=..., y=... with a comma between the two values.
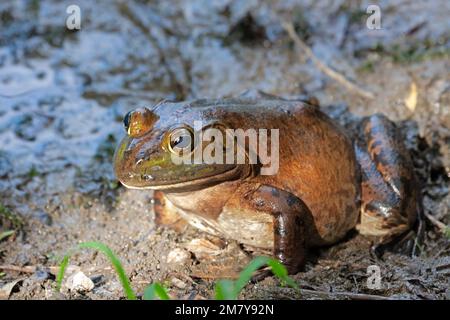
x=154, y=290
x=62, y=270
x=6, y=234
x=447, y=232
x=112, y=258
x=277, y=269
x=280, y=271
x=225, y=290
x=247, y=273
x=14, y=218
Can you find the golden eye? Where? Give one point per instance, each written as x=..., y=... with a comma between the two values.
x=139, y=122
x=181, y=141
x=126, y=121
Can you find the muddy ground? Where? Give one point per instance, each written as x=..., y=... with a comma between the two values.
x=63, y=94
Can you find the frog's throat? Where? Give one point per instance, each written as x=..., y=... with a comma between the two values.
x=237, y=172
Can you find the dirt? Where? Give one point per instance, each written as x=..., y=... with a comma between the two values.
x=63, y=94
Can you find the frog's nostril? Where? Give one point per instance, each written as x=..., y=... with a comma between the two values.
x=147, y=177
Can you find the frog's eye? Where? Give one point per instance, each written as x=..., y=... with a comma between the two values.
x=181, y=141
x=139, y=121
x=126, y=121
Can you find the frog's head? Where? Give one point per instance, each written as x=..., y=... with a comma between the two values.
x=149, y=156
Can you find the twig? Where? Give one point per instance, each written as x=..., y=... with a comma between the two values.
x=52, y=269
x=288, y=26
x=441, y=226
x=120, y=93
x=27, y=269
x=350, y=295
x=341, y=294
x=32, y=269
x=206, y=276
x=130, y=15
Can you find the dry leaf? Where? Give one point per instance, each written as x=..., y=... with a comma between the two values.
x=203, y=247
x=5, y=290
x=214, y=272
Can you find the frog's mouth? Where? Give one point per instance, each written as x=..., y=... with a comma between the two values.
x=185, y=183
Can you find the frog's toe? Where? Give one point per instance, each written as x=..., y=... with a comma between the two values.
x=379, y=218
x=406, y=244
x=392, y=229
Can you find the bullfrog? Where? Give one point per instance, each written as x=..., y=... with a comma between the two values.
x=323, y=185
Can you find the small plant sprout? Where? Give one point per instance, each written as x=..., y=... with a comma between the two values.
x=112, y=258
x=229, y=290
x=155, y=290
x=224, y=289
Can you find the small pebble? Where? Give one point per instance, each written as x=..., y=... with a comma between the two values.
x=178, y=283
x=79, y=282
x=178, y=256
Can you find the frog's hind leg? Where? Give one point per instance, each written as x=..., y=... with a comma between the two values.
x=390, y=195
x=166, y=214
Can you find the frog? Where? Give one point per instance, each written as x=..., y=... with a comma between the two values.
x=326, y=183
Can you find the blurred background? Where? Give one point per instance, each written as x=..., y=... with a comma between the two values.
x=63, y=94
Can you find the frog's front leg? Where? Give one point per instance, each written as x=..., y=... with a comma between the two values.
x=390, y=195
x=166, y=214
x=291, y=219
